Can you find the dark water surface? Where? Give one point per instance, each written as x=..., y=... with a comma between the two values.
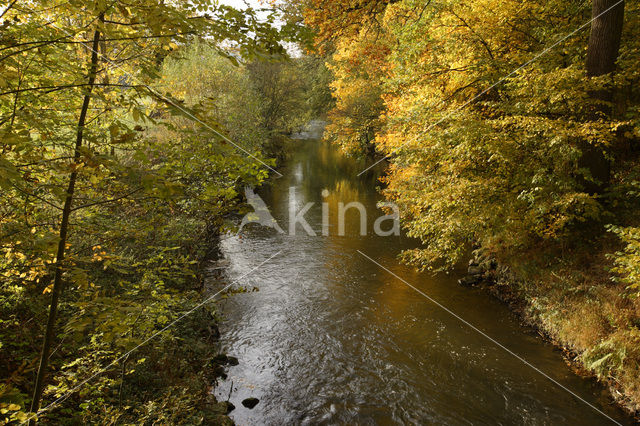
x=330, y=338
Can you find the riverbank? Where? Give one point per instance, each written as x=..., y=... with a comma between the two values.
x=578, y=308
x=135, y=375
x=331, y=338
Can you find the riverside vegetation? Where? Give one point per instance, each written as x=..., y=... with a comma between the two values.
x=128, y=131
x=510, y=128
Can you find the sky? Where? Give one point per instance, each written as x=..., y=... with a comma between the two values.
x=240, y=4
x=259, y=4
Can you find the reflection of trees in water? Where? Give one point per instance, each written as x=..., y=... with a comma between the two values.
x=326, y=164
x=315, y=166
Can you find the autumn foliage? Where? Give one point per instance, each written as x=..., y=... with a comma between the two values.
x=497, y=137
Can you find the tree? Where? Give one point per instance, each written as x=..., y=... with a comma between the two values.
x=76, y=108
x=342, y=18
x=292, y=91
x=500, y=129
x=279, y=87
x=606, y=33
x=502, y=165
x=602, y=54
x=358, y=65
x=64, y=222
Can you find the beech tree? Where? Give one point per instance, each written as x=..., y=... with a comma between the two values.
x=84, y=173
x=606, y=33
x=513, y=164
x=602, y=54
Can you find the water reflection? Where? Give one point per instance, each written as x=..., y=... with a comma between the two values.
x=332, y=339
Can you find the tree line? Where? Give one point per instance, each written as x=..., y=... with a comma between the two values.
x=128, y=130
x=508, y=128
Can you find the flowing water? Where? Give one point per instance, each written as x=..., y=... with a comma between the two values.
x=331, y=338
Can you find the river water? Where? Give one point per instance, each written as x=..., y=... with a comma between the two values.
x=331, y=338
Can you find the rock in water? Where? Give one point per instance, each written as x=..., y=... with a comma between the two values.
x=250, y=402
x=218, y=371
x=220, y=359
x=470, y=280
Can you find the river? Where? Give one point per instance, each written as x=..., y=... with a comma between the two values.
x=331, y=338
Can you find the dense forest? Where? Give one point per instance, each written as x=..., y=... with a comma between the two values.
x=509, y=133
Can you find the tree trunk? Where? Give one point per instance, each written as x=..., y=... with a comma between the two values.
x=64, y=227
x=606, y=32
x=602, y=54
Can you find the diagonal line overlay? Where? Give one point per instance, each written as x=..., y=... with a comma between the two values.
x=172, y=103
x=152, y=337
x=502, y=80
x=500, y=345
